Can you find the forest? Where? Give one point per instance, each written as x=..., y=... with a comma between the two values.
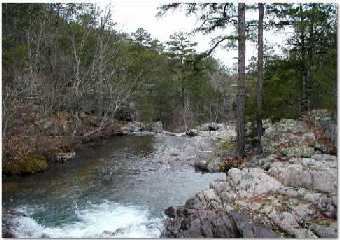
x=71, y=81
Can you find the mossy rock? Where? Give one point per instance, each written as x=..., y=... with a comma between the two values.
x=32, y=163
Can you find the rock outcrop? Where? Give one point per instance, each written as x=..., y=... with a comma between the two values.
x=204, y=216
x=291, y=191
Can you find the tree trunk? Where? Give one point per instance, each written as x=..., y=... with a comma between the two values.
x=310, y=58
x=241, y=80
x=259, y=83
x=304, y=99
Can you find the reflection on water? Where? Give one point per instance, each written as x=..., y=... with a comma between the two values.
x=85, y=197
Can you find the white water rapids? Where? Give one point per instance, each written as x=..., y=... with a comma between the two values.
x=106, y=220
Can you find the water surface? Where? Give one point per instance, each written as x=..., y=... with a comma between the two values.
x=118, y=188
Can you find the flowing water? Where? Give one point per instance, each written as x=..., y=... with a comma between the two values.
x=118, y=188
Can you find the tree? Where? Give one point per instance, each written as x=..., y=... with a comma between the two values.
x=314, y=38
x=311, y=22
x=69, y=58
x=215, y=16
x=181, y=51
x=142, y=37
x=241, y=80
x=259, y=83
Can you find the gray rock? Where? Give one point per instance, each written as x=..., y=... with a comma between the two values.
x=156, y=127
x=335, y=199
x=171, y=212
x=312, y=197
x=191, y=133
x=250, y=230
x=65, y=157
x=198, y=223
x=325, y=231
x=289, y=191
x=303, y=212
x=324, y=180
x=287, y=222
x=201, y=165
x=266, y=123
x=135, y=127
x=312, y=175
x=209, y=199
x=324, y=157
x=214, y=164
x=326, y=206
x=251, y=182
x=308, y=136
x=292, y=175
x=195, y=223
x=220, y=187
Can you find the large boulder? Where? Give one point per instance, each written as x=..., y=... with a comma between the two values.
x=251, y=182
x=249, y=229
x=308, y=173
x=197, y=223
x=290, y=138
x=208, y=213
x=203, y=223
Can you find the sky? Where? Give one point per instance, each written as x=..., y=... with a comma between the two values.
x=131, y=15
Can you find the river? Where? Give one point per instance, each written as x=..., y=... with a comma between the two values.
x=116, y=188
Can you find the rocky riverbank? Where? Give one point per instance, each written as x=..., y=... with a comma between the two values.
x=291, y=191
x=36, y=142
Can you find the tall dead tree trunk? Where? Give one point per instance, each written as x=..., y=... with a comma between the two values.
x=259, y=83
x=241, y=80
